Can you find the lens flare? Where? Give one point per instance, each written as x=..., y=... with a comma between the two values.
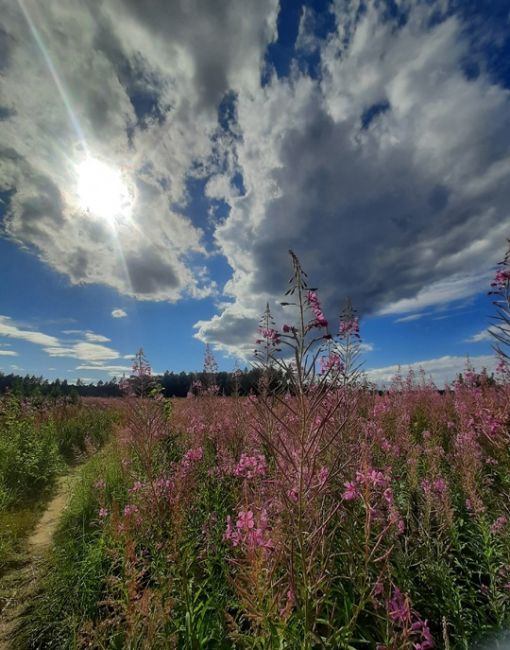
x=103, y=191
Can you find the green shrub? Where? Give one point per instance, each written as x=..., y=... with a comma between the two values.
x=29, y=458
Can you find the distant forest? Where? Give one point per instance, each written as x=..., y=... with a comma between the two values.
x=173, y=384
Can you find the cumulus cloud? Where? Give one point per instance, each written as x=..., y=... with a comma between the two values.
x=137, y=88
x=8, y=353
x=442, y=369
x=119, y=313
x=386, y=174
x=386, y=171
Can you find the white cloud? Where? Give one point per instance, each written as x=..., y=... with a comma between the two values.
x=96, y=338
x=411, y=317
x=484, y=335
x=139, y=88
x=119, y=313
x=442, y=370
x=92, y=337
x=10, y=330
x=385, y=175
x=106, y=368
x=386, y=172
x=8, y=353
x=442, y=292
x=84, y=351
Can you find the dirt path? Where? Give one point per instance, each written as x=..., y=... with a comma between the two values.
x=19, y=586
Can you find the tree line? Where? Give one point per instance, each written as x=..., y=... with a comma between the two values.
x=172, y=384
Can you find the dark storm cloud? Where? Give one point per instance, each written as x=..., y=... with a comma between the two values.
x=363, y=219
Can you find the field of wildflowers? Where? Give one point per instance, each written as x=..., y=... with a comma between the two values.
x=316, y=513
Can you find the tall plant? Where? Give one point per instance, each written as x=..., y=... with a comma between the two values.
x=500, y=330
x=302, y=411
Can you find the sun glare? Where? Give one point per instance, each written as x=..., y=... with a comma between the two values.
x=102, y=190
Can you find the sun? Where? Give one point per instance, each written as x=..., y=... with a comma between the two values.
x=103, y=191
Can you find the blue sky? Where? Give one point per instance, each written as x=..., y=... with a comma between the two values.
x=157, y=164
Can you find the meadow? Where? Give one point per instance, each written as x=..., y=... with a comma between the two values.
x=317, y=512
x=39, y=441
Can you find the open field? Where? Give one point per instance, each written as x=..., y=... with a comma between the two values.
x=315, y=512
x=378, y=520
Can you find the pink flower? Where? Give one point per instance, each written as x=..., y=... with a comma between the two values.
x=426, y=641
x=323, y=476
x=398, y=608
x=245, y=519
x=293, y=495
x=100, y=484
x=271, y=335
x=130, y=510
x=103, y=513
x=191, y=456
x=313, y=301
x=246, y=531
x=230, y=534
x=330, y=363
x=499, y=524
x=351, y=491
x=348, y=327
x=440, y=485
x=291, y=601
x=251, y=466
x=500, y=279
x=137, y=486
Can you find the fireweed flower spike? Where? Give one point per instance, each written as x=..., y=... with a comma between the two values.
x=313, y=302
x=295, y=428
x=500, y=329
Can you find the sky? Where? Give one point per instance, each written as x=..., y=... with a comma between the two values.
x=158, y=159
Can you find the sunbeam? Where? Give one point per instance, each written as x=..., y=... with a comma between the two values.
x=55, y=76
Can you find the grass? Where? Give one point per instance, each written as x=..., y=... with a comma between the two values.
x=37, y=443
x=80, y=564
